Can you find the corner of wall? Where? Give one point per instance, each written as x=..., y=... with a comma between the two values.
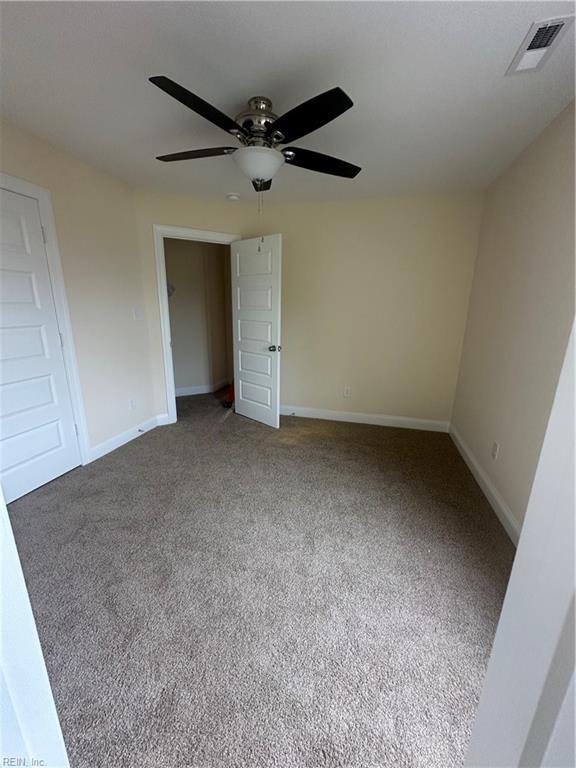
x=482, y=198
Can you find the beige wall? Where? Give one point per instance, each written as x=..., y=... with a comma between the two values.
x=96, y=232
x=374, y=295
x=521, y=312
x=200, y=337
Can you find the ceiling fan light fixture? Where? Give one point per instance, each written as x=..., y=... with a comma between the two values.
x=260, y=163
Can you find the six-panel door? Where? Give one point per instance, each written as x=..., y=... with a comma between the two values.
x=38, y=439
x=256, y=266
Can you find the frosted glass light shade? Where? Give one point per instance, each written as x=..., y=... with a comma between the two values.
x=258, y=162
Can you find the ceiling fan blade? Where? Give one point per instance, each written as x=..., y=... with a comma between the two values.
x=192, y=154
x=316, y=161
x=262, y=186
x=310, y=115
x=196, y=104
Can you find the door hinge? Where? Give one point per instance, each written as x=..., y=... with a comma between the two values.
x=76, y=429
x=43, y=234
x=61, y=339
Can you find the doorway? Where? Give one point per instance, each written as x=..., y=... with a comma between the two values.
x=255, y=284
x=198, y=287
x=173, y=247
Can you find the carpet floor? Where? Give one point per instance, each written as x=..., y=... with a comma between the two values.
x=218, y=594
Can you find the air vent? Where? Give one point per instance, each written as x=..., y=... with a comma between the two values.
x=542, y=38
x=545, y=37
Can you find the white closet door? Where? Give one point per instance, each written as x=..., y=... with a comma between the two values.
x=38, y=439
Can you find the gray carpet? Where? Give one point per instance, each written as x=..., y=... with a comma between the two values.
x=218, y=594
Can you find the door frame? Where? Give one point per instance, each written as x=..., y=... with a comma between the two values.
x=56, y=274
x=162, y=231
x=23, y=675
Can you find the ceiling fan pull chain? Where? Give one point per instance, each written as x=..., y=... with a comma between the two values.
x=260, y=202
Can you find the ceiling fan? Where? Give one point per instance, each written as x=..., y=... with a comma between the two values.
x=260, y=132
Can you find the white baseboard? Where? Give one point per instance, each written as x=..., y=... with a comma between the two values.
x=365, y=418
x=500, y=507
x=163, y=419
x=201, y=389
x=97, y=451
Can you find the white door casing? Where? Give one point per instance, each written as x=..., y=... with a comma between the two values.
x=29, y=726
x=256, y=267
x=37, y=426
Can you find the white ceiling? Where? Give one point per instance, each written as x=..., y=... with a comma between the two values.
x=433, y=110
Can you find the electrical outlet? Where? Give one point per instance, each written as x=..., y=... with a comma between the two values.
x=347, y=391
x=137, y=313
x=495, y=450
x=131, y=404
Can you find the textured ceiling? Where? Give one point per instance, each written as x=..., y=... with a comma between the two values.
x=433, y=109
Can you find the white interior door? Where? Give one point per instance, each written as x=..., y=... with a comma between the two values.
x=256, y=285
x=38, y=439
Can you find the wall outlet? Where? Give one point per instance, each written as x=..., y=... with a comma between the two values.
x=495, y=450
x=347, y=391
x=131, y=404
x=137, y=313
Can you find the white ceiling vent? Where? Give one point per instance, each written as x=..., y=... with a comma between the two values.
x=542, y=38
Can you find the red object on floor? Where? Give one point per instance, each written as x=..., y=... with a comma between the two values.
x=228, y=400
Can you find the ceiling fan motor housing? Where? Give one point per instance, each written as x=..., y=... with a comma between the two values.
x=256, y=119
